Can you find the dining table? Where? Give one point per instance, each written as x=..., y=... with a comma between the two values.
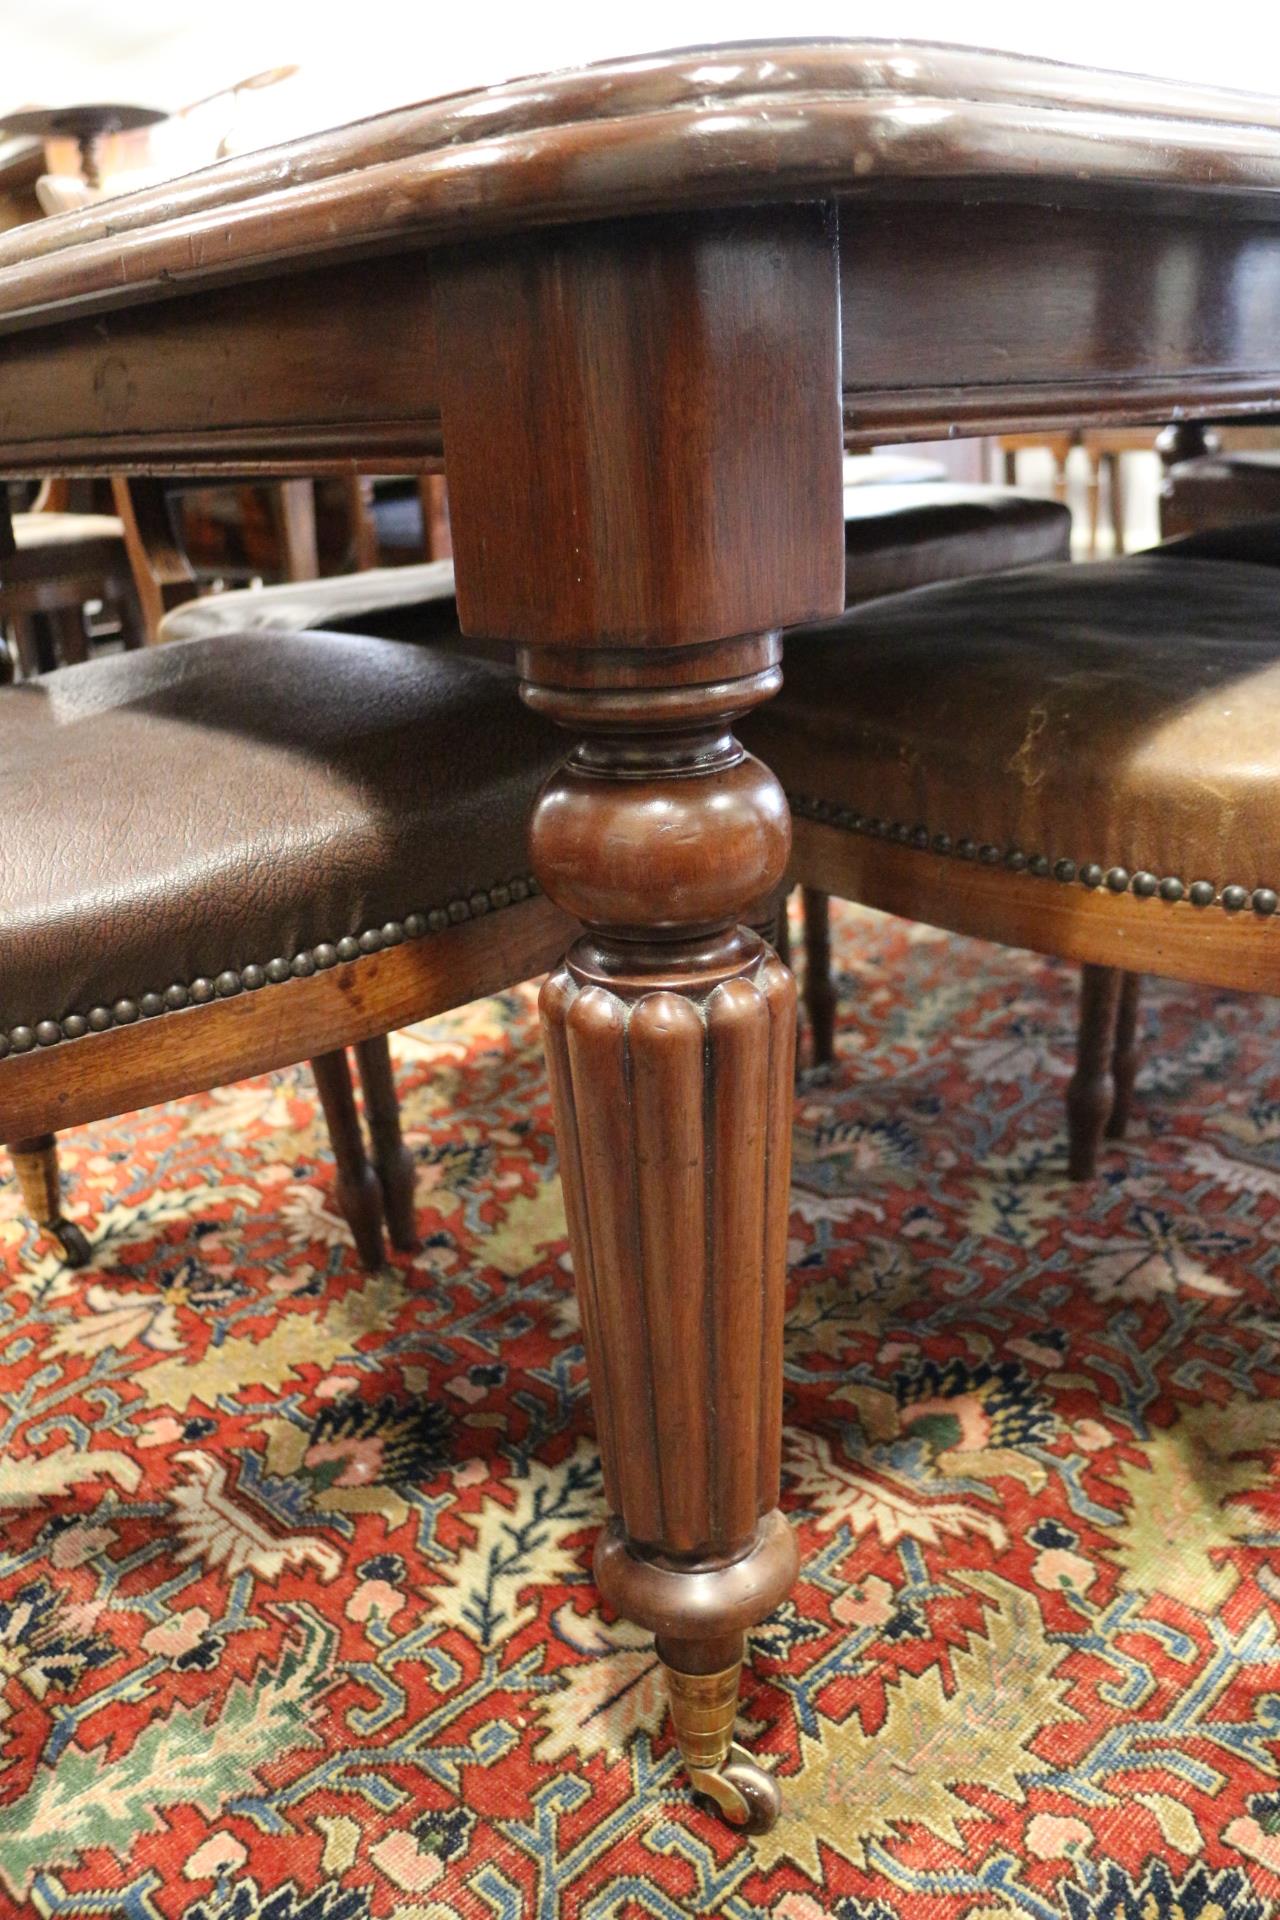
x=636, y=314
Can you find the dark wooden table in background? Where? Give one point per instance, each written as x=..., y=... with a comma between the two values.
x=637, y=311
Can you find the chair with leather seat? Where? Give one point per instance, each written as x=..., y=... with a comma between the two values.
x=1219, y=490
x=904, y=526
x=52, y=565
x=903, y=535
x=911, y=529
x=1106, y=1047
x=288, y=848
x=1082, y=761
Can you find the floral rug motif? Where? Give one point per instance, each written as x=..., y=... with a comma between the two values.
x=296, y=1615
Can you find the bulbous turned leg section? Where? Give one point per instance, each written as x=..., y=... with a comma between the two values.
x=359, y=1194
x=1092, y=1090
x=1124, y=1060
x=819, y=989
x=391, y=1157
x=670, y=1034
x=35, y=1162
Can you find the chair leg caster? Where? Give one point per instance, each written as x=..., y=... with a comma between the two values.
x=703, y=1709
x=744, y=1794
x=35, y=1161
x=76, y=1251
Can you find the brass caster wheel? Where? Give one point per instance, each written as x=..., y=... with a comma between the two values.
x=76, y=1251
x=747, y=1797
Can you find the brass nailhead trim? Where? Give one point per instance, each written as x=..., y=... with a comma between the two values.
x=1143, y=885
x=414, y=926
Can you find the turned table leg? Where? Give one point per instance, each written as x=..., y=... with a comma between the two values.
x=670, y=1038
x=642, y=430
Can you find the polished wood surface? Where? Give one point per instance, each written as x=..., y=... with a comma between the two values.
x=635, y=309
x=641, y=569
x=713, y=507
x=1130, y=219
x=230, y=1040
x=715, y=127
x=1102, y=929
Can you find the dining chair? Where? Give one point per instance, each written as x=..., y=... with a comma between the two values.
x=53, y=565
x=1208, y=486
x=1082, y=761
x=219, y=857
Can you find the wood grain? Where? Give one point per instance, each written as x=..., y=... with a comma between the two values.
x=305, y=373
x=227, y=1040
x=710, y=349
x=1100, y=928
x=703, y=127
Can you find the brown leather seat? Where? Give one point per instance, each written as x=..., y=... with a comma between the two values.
x=1111, y=725
x=900, y=536
x=1220, y=489
x=1256, y=542
x=229, y=813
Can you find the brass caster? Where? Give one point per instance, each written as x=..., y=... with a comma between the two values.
x=76, y=1251
x=748, y=1797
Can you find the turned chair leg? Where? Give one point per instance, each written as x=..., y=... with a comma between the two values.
x=70, y=636
x=819, y=991
x=358, y=1191
x=1124, y=1065
x=35, y=1162
x=391, y=1157
x=1092, y=1092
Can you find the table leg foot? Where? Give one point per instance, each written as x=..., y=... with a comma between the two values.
x=704, y=1707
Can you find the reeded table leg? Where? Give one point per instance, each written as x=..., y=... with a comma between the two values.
x=671, y=1042
x=642, y=428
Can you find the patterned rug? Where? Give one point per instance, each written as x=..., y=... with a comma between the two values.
x=296, y=1620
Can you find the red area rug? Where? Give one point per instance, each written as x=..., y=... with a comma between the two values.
x=296, y=1620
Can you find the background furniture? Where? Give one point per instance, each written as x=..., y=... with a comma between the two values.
x=1222, y=489
x=85, y=124
x=52, y=565
x=646, y=305
x=1103, y=450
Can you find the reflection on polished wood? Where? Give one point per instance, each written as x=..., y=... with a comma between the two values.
x=670, y=1029
x=635, y=308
